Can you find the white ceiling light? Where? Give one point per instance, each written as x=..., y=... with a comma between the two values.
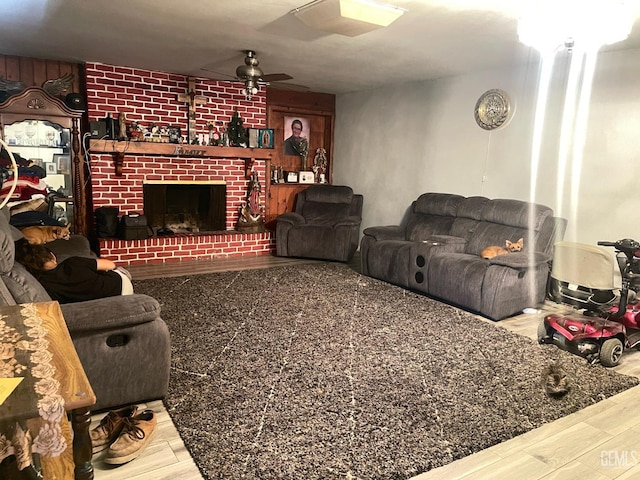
x=347, y=17
x=587, y=25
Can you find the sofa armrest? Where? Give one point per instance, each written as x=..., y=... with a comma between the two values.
x=291, y=218
x=110, y=312
x=520, y=260
x=388, y=232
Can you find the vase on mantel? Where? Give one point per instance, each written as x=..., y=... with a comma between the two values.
x=304, y=162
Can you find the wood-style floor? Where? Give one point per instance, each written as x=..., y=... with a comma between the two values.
x=600, y=442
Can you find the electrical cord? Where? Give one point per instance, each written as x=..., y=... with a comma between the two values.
x=87, y=155
x=15, y=174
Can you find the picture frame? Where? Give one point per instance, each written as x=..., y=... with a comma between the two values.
x=51, y=168
x=37, y=161
x=303, y=123
x=62, y=162
x=265, y=138
x=307, y=177
x=253, y=135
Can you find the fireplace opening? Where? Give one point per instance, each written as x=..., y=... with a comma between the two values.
x=185, y=207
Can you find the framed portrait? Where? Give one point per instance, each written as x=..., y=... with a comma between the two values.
x=294, y=127
x=51, y=168
x=62, y=162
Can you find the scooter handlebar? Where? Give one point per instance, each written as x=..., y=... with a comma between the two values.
x=626, y=245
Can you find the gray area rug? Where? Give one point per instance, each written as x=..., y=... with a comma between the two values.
x=318, y=372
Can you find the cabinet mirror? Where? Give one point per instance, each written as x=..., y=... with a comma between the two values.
x=44, y=132
x=44, y=144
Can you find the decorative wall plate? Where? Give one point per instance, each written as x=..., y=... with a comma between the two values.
x=492, y=109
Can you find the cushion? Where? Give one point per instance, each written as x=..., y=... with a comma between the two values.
x=324, y=213
x=7, y=247
x=75, y=246
x=15, y=233
x=329, y=194
x=445, y=204
x=24, y=287
x=421, y=227
x=472, y=207
x=515, y=213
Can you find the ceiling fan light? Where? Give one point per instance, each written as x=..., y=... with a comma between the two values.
x=347, y=17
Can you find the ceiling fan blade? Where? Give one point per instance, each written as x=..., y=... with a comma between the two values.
x=276, y=77
x=289, y=86
x=219, y=75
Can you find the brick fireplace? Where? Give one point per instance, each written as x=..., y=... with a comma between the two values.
x=151, y=98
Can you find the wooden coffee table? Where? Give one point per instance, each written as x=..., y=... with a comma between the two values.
x=45, y=357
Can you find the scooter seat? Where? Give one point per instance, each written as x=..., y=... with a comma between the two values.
x=590, y=299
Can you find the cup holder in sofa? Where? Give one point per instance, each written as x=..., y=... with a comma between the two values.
x=420, y=262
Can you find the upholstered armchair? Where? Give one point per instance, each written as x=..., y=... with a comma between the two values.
x=325, y=224
x=122, y=342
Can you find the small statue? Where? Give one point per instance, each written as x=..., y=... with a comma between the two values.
x=250, y=218
x=214, y=133
x=122, y=124
x=320, y=165
x=301, y=145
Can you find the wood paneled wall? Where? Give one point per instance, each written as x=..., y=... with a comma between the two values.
x=33, y=72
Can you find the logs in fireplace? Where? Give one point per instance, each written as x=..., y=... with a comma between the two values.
x=185, y=207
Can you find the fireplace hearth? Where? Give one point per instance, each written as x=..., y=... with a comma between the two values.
x=180, y=207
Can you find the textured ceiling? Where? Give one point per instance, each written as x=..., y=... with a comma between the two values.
x=435, y=38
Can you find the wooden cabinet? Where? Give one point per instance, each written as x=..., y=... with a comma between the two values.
x=317, y=112
x=281, y=198
x=45, y=131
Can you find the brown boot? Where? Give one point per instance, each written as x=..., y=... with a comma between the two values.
x=136, y=435
x=110, y=427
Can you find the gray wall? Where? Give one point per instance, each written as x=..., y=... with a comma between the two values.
x=394, y=143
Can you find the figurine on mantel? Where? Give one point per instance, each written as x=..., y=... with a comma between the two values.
x=320, y=165
x=251, y=219
x=214, y=133
x=122, y=123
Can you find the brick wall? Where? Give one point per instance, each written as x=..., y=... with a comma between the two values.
x=150, y=97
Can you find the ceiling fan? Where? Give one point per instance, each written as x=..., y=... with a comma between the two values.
x=252, y=76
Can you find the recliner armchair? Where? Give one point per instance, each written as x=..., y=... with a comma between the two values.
x=123, y=343
x=325, y=224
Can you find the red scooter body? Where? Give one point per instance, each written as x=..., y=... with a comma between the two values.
x=600, y=336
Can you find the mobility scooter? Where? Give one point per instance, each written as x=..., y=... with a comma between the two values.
x=604, y=325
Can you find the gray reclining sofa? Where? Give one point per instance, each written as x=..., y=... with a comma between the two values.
x=122, y=342
x=436, y=251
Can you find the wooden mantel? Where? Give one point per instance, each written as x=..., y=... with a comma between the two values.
x=119, y=149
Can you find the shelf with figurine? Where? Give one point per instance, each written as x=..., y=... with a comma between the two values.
x=316, y=174
x=175, y=149
x=133, y=139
